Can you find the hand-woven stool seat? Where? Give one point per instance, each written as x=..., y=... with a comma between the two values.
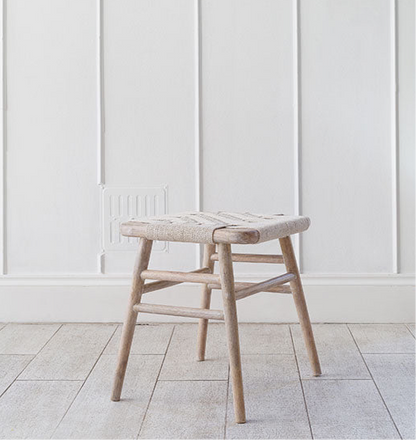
x=219, y=227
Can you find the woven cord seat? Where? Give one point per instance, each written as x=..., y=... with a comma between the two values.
x=219, y=227
x=217, y=231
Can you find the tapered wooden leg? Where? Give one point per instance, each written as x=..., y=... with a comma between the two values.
x=300, y=303
x=142, y=261
x=231, y=325
x=209, y=249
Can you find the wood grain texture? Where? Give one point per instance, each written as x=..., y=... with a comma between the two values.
x=241, y=285
x=205, y=303
x=11, y=365
x=25, y=338
x=94, y=415
x=180, y=277
x=383, y=338
x=347, y=409
x=264, y=285
x=180, y=362
x=147, y=339
x=231, y=327
x=71, y=353
x=186, y=410
x=274, y=400
x=337, y=350
x=253, y=258
x=157, y=285
x=394, y=375
x=300, y=304
x=137, y=285
x=34, y=409
x=190, y=312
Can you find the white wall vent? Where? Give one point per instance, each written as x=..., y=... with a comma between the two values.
x=121, y=204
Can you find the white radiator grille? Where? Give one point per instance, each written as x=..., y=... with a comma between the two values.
x=121, y=204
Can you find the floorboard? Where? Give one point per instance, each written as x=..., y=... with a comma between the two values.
x=70, y=354
x=180, y=362
x=94, y=416
x=186, y=410
x=34, y=409
x=347, y=409
x=265, y=339
x=383, y=338
x=56, y=380
x=274, y=401
x=338, y=353
x=25, y=338
x=148, y=339
x=394, y=375
x=11, y=365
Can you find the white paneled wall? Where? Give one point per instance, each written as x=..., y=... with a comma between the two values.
x=405, y=117
x=114, y=108
x=51, y=204
x=348, y=135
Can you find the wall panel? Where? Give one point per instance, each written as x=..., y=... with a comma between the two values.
x=406, y=132
x=248, y=109
x=149, y=102
x=52, y=196
x=347, y=138
x=247, y=105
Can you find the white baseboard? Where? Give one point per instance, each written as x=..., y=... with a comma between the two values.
x=331, y=298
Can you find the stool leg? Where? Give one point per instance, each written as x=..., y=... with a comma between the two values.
x=231, y=325
x=142, y=261
x=209, y=249
x=300, y=303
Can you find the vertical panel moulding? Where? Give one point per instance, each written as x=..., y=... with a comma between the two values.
x=100, y=127
x=3, y=141
x=394, y=136
x=198, y=116
x=296, y=122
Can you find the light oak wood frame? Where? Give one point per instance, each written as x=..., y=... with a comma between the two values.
x=231, y=326
x=231, y=291
x=206, y=291
x=142, y=261
x=300, y=303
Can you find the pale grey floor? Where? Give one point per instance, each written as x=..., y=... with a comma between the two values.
x=55, y=382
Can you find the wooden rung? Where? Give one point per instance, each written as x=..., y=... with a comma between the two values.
x=243, y=285
x=180, y=277
x=253, y=258
x=260, y=287
x=157, y=285
x=190, y=312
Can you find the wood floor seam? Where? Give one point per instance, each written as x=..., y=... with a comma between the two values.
x=156, y=382
x=378, y=390
x=366, y=389
x=301, y=384
x=83, y=382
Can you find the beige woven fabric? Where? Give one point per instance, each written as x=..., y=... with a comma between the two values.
x=199, y=227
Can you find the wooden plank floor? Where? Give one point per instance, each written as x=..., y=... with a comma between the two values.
x=55, y=382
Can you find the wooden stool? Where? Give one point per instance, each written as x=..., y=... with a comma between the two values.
x=215, y=229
